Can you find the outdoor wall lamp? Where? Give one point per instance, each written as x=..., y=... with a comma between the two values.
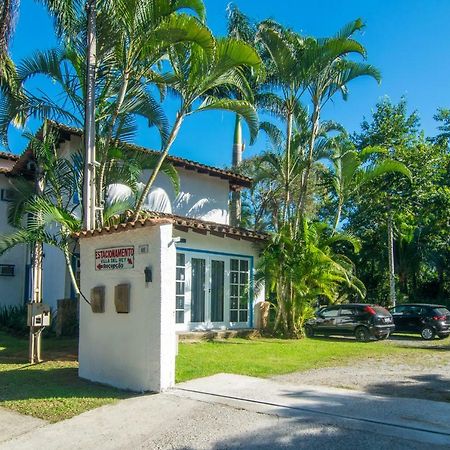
x=178, y=240
x=148, y=274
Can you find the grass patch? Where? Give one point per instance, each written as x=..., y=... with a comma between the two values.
x=50, y=390
x=268, y=357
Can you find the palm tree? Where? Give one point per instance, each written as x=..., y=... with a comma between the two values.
x=8, y=13
x=285, y=83
x=319, y=67
x=197, y=75
x=298, y=271
x=286, y=177
x=329, y=72
x=351, y=169
x=47, y=216
x=143, y=34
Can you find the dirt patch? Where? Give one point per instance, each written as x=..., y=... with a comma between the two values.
x=424, y=374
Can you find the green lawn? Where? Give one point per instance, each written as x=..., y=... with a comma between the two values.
x=53, y=391
x=266, y=357
x=50, y=390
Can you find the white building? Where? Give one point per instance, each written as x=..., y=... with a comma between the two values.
x=214, y=263
x=14, y=265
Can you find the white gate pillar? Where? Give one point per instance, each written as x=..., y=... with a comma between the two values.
x=129, y=342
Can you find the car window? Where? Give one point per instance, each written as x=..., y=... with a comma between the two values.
x=441, y=311
x=347, y=312
x=412, y=310
x=329, y=313
x=398, y=310
x=381, y=311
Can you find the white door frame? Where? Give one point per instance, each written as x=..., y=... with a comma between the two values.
x=209, y=256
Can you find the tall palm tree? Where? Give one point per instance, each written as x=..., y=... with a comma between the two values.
x=318, y=67
x=125, y=75
x=197, y=75
x=329, y=71
x=285, y=84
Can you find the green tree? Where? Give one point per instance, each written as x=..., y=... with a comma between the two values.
x=300, y=271
x=351, y=169
x=319, y=67
x=195, y=77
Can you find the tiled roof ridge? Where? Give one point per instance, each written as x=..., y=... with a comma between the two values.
x=9, y=155
x=151, y=218
x=176, y=160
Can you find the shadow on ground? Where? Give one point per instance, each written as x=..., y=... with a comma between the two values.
x=429, y=387
x=321, y=422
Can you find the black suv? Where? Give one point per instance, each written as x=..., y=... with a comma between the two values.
x=357, y=319
x=428, y=320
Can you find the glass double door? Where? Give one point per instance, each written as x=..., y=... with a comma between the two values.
x=207, y=289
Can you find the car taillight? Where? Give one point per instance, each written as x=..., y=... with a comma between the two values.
x=370, y=310
x=439, y=317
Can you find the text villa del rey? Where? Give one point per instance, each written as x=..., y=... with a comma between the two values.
x=114, y=258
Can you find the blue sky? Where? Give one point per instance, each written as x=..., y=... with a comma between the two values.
x=408, y=40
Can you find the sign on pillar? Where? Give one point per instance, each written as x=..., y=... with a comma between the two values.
x=127, y=333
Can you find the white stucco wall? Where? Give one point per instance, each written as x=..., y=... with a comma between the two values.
x=54, y=279
x=201, y=196
x=133, y=351
x=12, y=289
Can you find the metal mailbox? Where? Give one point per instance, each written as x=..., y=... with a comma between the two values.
x=38, y=315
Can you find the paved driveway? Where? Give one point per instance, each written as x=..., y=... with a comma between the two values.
x=232, y=411
x=13, y=424
x=424, y=374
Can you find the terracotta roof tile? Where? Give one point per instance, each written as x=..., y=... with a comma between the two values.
x=9, y=156
x=183, y=224
x=234, y=178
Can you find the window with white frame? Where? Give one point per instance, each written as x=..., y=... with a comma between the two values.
x=180, y=287
x=239, y=290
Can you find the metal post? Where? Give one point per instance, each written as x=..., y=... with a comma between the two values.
x=238, y=148
x=89, y=195
x=36, y=294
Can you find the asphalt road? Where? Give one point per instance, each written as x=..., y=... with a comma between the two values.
x=231, y=411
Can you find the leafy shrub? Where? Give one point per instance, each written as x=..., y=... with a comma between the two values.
x=14, y=319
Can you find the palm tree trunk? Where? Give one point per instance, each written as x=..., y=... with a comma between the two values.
x=390, y=237
x=305, y=181
x=173, y=135
x=89, y=197
x=70, y=269
x=36, y=296
x=105, y=162
x=287, y=196
x=338, y=215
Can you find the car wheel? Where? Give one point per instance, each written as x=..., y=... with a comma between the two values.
x=427, y=333
x=362, y=334
x=309, y=331
x=442, y=336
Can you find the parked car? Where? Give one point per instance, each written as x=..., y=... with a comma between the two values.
x=428, y=320
x=356, y=319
